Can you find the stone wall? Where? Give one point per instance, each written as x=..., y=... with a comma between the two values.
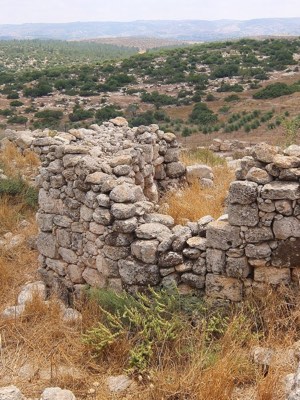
x=99, y=224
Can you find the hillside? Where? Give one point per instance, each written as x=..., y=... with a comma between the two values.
x=245, y=88
x=198, y=30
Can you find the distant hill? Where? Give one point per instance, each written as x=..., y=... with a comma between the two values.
x=195, y=30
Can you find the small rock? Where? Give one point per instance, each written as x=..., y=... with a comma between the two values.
x=118, y=383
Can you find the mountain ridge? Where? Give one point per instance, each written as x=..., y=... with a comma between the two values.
x=198, y=30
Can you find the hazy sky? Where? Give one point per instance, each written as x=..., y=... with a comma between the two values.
x=21, y=11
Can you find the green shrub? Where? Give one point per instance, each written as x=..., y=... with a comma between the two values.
x=18, y=187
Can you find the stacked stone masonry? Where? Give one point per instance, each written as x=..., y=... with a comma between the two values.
x=98, y=220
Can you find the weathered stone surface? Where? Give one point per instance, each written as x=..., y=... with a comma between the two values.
x=160, y=219
x=197, y=172
x=57, y=393
x=286, y=161
x=197, y=243
x=47, y=245
x=182, y=234
x=118, y=383
x=145, y=250
x=264, y=152
x=135, y=273
x=284, y=207
x=30, y=290
x=191, y=253
x=68, y=255
x=259, y=176
x=170, y=259
x=199, y=266
x=243, y=215
x=237, y=267
x=48, y=204
x=102, y=216
x=273, y=276
x=286, y=227
x=221, y=287
x=175, y=169
x=215, y=261
x=125, y=225
x=11, y=393
x=115, y=253
x=152, y=231
x=258, y=250
x=93, y=278
x=123, y=211
x=126, y=193
x=242, y=192
x=258, y=234
x=193, y=280
x=277, y=190
x=287, y=254
x=221, y=235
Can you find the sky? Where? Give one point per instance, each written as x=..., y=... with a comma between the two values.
x=29, y=11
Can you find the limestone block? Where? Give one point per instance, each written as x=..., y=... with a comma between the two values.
x=163, y=219
x=278, y=190
x=243, y=215
x=287, y=254
x=68, y=255
x=182, y=234
x=242, y=192
x=197, y=243
x=75, y=274
x=221, y=235
x=215, y=260
x=221, y=287
x=136, y=273
x=115, y=253
x=237, y=267
x=259, y=176
x=47, y=245
x=284, y=207
x=30, y=290
x=119, y=239
x=264, y=152
x=102, y=216
x=198, y=171
x=123, y=211
x=145, y=250
x=191, y=253
x=86, y=213
x=152, y=230
x=273, y=276
x=48, y=204
x=286, y=227
x=10, y=393
x=193, y=280
x=170, y=259
x=93, y=278
x=125, y=225
x=258, y=234
x=126, y=193
x=258, y=250
x=199, y=266
x=175, y=169
x=57, y=266
x=286, y=161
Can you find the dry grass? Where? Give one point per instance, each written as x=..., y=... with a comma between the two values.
x=195, y=201
x=15, y=163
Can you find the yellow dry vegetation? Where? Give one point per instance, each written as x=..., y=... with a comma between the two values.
x=195, y=201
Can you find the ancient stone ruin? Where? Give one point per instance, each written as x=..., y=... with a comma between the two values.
x=98, y=220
